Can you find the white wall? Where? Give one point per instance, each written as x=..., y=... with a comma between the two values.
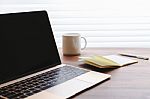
x=105, y=23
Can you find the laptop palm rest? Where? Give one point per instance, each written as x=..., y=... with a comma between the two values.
x=73, y=86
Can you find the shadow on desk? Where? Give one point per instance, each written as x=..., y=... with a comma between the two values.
x=90, y=67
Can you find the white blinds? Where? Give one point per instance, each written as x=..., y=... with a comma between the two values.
x=104, y=23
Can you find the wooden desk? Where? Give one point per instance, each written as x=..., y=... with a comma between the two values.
x=129, y=82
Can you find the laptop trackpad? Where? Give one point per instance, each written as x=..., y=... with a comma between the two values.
x=69, y=88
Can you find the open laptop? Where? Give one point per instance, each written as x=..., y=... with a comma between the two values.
x=30, y=66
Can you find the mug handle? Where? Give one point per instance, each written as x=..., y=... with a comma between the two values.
x=85, y=43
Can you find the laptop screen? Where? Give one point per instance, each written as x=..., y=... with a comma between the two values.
x=27, y=44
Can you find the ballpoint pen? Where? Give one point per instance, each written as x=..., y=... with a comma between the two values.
x=134, y=56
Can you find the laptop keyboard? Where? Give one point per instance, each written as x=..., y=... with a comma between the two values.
x=40, y=82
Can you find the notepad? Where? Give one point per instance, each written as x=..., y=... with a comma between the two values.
x=110, y=61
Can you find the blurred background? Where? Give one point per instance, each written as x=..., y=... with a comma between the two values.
x=104, y=23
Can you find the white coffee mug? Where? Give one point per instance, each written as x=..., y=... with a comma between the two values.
x=72, y=44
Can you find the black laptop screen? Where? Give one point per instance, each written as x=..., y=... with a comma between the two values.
x=27, y=44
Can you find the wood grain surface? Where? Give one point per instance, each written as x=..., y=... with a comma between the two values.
x=128, y=82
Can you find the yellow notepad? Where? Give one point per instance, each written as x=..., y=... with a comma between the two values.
x=110, y=61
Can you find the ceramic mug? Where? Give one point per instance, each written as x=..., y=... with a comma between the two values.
x=72, y=44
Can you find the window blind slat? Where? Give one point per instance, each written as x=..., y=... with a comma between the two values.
x=101, y=21
x=117, y=44
x=106, y=33
x=115, y=27
x=112, y=39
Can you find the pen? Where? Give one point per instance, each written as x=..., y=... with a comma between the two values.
x=134, y=56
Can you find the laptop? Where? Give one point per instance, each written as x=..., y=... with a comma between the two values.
x=30, y=65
